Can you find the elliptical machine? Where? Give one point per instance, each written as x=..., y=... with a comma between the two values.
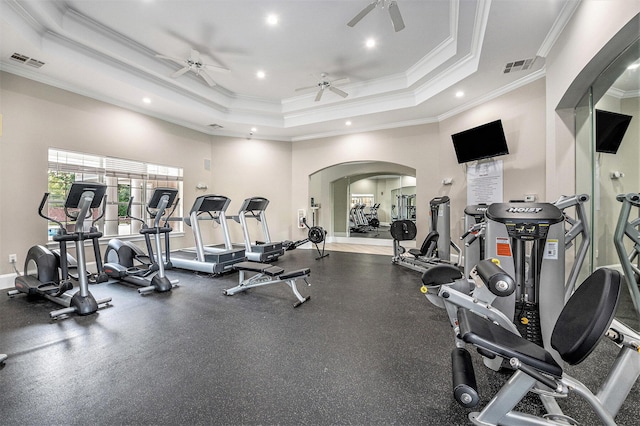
x=46, y=275
x=120, y=256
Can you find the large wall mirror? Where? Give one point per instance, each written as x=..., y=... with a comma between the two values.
x=607, y=171
x=345, y=198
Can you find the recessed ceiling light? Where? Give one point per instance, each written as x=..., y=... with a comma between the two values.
x=370, y=43
x=260, y=74
x=272, y=19
x=459, y=94
x=347, y=123
x=253, y=129
x=146, y=100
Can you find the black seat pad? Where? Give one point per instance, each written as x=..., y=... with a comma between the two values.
x=485, y=334
x=441, y=274
x=429, y=241
x=295, y=273
x=587, y=316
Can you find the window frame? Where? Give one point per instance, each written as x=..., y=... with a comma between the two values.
x=141, y=177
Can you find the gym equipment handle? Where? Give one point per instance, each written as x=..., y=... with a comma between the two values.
x=530, y=371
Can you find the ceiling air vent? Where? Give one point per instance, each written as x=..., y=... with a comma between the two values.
x=521, y=65
x=34, y=63
x=215, y=126
x=19, y=58
x=27, y=60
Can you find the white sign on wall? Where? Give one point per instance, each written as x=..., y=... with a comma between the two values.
x=485, y=182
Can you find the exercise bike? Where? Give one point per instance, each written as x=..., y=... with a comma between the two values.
x=46, y=275
x=124, y=261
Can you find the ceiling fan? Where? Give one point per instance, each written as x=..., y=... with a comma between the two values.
x=195, y=65
x=391, y=5
x=325, y=84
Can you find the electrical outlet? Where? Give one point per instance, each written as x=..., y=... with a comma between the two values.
x=13, y=258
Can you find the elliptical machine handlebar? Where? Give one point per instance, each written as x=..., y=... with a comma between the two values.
x=45, y=197
x=130, y=216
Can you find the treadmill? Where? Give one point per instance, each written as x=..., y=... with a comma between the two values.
x=265, y=251
x=202, y=258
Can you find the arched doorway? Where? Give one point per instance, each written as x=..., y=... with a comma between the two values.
x=334, y=191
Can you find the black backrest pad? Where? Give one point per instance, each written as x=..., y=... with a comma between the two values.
x=403, y=230
x=587, y=316
x=431, y=238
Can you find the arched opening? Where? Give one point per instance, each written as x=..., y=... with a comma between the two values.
x=336, y=190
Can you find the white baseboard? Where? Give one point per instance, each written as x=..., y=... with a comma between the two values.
x=7, y=280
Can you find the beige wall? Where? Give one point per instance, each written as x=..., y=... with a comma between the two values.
x=37, y=116
x=330, y=185
x=582, y=51
x=522, y=115
x=428, y=149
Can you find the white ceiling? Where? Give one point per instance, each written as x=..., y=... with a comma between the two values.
x=106, y=49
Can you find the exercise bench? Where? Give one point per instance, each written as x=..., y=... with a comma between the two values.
x=266, y=274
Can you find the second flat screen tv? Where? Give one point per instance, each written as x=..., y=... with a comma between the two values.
x=610, y=129
x=480, y=142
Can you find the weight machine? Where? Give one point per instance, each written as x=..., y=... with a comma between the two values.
x=587, y=316
x=629, y=228
x=435, y=248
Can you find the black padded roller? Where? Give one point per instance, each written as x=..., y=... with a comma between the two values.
x=497, y=280
x=464, y=378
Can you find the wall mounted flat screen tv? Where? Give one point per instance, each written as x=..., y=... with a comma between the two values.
x=610, y=129
x=480, y=142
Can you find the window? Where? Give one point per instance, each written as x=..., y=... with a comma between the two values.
x=124, y=179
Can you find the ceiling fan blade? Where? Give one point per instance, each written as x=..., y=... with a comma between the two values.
x=306, y=88
x=206, y=78
x=396, y=17
x=216, y=68
x=340, y=80
x=362, y=13
x=176, y=60
x=180, y=72
x=319, y=95
x=338, y=91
